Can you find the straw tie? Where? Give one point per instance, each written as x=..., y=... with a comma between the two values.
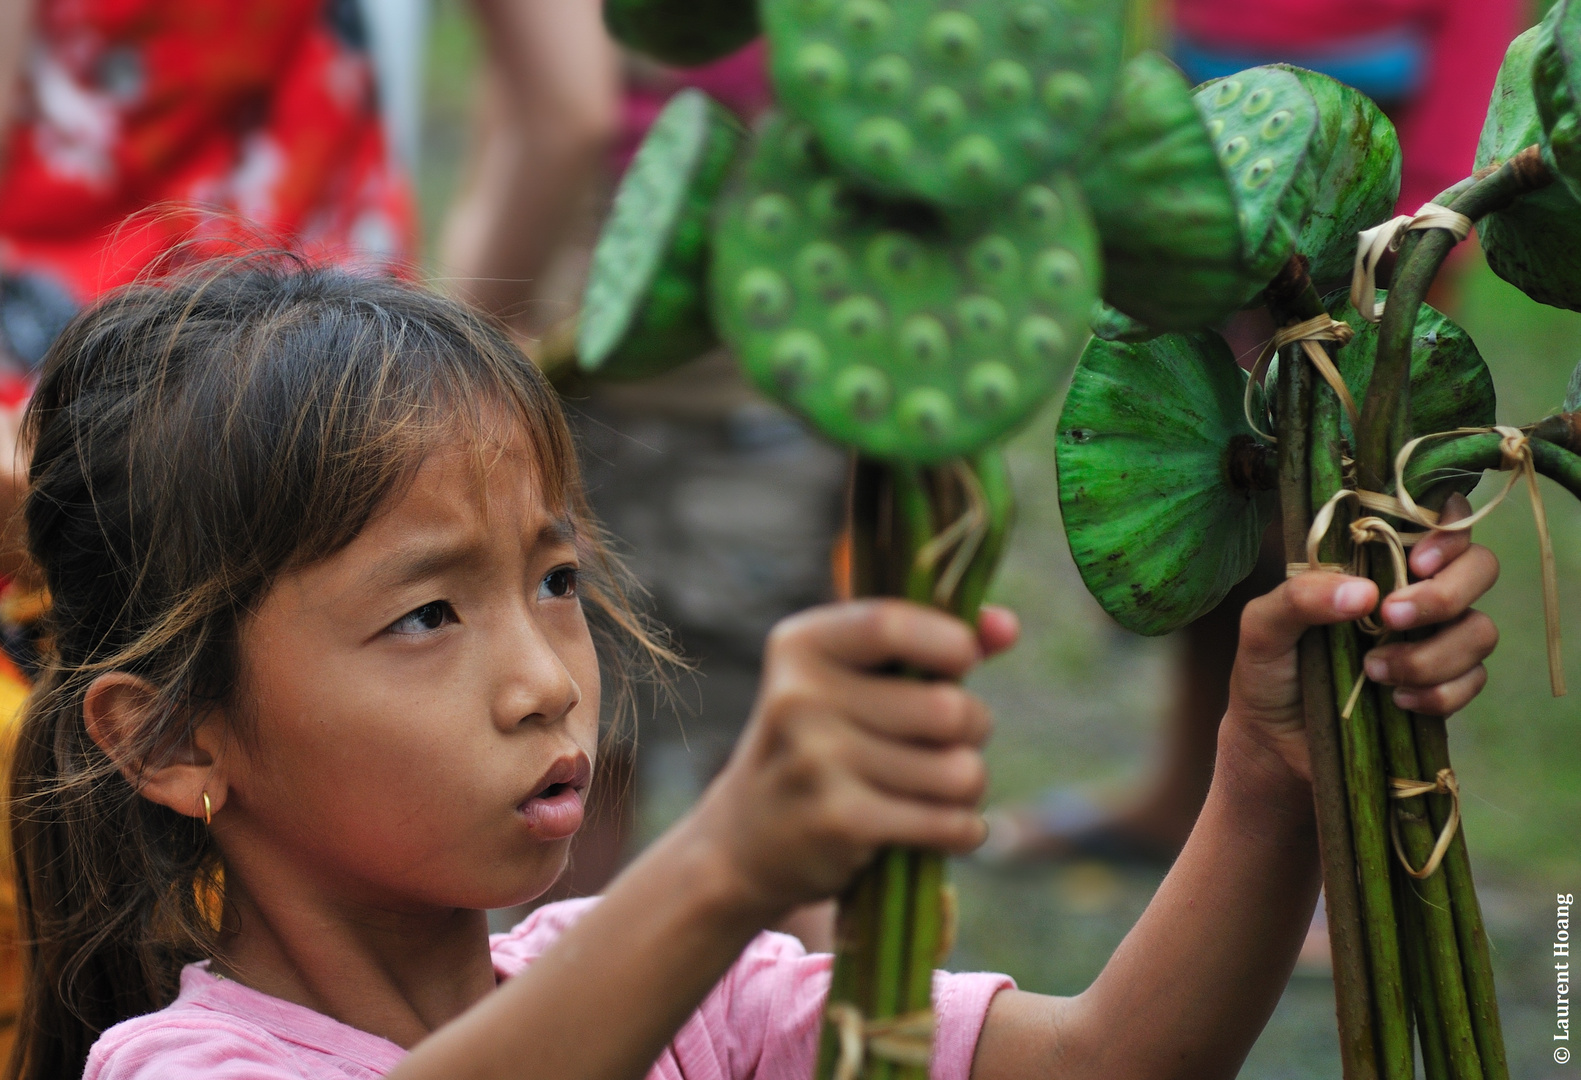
x=904, y=1040
x=1310, y=334
x=1444, y=784
x=1372, y=244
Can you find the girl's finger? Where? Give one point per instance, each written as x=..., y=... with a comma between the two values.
x=1445, y=596
x=1439, y=549
x=998, y=628
x=874, y=633
x=1445, y=698
x=954, y=775
x=896, y=707
x=1451, y=652
x=1272, y=624
x=883, y=820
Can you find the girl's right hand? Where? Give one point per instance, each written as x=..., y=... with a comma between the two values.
x=842, y=756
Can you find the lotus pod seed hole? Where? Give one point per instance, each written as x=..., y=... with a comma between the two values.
x=769, y=219
x=941, y=109
x=952, y=37
x=1233, y=151
x=1067, y=95
x=799, y=146
x=924, y=341
x=1258, y=101
x=865, y=21
x=1006, y=84
x=883, y=143
x=1041, y=210
x=1086, y=42
x=1040, y=340
x=822, y=69
x=1227, y=92
x=763, y=296
x=830, y=204
x=983, y=320
x=1030, y=20
x=1277, y=124
x=928, y=412
x=1034, y=138
x=800, y=359
x=991, y=387
x=823, y=269
x=975, y=160
x=858, y=319
x=1258, y=173
x=888, y=79
x=995, y=262
x=862, y=391
x=1055, y=273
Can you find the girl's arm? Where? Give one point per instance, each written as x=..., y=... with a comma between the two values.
x=836, y=762
x=1191, y=987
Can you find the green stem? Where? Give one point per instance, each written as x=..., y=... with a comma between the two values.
x=1431, y=894
x=1385, y=413
x=1432, y=746
x=1364, y=781
x=1429, y=1025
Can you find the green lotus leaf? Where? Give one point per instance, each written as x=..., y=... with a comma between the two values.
x=1534, y=244
x=906, y=332
x=685, y=33
x=1164, y=208
x=1112, y=324
x=1357, y=155
x=1556, y=80
x=956, y=102
x=645, y=308
x=1154, y=484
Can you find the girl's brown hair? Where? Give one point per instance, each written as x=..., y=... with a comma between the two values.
x=193, y=438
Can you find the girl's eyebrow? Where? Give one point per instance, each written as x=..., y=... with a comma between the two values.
x=420, y=561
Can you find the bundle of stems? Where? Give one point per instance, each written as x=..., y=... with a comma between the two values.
x=1411, y=958
x=932, y=535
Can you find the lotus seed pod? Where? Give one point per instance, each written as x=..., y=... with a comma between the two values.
x=645, y=307
x=1357, y=157
x=1556, y=80
x=957, y=103
x=910, y=333
x=1158, y=508
x=1164, y=208
x=684, y=33
x=1534, y=244
x=1573, y=393
x=1111, y=324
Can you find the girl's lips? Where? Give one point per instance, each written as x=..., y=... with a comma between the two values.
x=554, y=809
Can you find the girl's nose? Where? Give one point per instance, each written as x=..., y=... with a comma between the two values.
x=538, y=687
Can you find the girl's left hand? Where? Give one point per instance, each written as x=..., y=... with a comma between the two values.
x=1438, y=674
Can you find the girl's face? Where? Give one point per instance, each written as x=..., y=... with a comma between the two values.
x=423, y=705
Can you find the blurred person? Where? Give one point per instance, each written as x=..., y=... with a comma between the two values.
x=1430, y=65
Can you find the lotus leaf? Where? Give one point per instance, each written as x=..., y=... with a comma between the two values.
x=1112, y=324
x=1158, y=507
x=1358, y=157
x=682, y=32
x=905, y=332
x=1535, y=244
x=645, y=308
x=1164, y=208
x=956, y=102
x=1556, y=79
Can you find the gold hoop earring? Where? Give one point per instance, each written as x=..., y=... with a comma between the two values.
x=208, y=810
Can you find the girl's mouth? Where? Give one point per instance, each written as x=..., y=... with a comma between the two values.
x=554, y=809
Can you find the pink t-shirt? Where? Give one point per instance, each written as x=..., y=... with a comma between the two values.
x=761, y=1021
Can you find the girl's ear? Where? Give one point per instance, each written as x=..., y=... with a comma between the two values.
x=116, y=708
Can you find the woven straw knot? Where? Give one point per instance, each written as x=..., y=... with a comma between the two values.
x=903, y=1040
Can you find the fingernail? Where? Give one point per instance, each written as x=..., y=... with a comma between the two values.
x=1400, y=612
x=1352, y=597
x=1377, y=670
x=1406, y=699
x=1428, y=562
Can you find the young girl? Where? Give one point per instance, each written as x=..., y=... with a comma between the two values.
x=324, y=686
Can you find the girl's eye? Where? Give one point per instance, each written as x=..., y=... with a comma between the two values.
x=426, y=619
x=558, y=582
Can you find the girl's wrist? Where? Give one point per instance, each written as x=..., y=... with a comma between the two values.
x=1251, y=771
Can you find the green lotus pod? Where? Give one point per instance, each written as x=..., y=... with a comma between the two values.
x=645, y=308
x=1112, y=324
x=1573, y=393
x=1534, y=244
x=685, y=33
x=905, y=332
x=1357, y=155
x=1200, y=196
x=953, y=102
x=1156, y=465
x=1556, y=80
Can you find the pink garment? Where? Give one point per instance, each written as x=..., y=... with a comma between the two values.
x=1467, y=39
x=761, y=1021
